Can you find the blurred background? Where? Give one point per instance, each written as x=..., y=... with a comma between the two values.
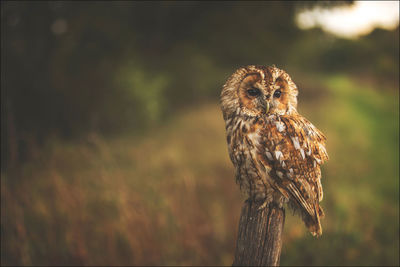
x=113, y=147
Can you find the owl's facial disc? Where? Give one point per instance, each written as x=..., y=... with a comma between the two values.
x=279, y=100
x=251, y=95
x=267, y=95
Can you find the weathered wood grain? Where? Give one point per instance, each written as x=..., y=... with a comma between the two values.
x=259, y=240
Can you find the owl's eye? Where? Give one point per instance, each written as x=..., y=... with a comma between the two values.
x=277, y=93
x=254, y=92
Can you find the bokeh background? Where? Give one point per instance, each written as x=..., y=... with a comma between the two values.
x=113, y=146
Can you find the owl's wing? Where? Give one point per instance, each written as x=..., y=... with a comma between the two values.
x=295, y=149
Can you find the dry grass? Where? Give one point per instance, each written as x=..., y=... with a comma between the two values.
x=167, y=198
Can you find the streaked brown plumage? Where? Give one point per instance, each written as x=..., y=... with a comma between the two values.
x=277, y=153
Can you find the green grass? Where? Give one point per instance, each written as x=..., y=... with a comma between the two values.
x=169, y=198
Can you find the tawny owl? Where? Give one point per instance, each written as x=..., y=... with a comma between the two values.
x=277, y=152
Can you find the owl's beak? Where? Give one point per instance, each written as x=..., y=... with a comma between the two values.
x=266, y=106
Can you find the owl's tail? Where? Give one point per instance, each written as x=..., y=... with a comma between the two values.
x=313, y=223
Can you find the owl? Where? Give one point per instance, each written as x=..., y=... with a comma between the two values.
x=276, y=152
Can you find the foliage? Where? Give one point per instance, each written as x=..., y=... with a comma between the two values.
x=374, y=57
x=144, y=94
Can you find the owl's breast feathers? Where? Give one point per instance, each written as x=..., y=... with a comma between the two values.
x=287, y=152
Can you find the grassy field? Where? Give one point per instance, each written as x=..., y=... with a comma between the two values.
x=169, y=197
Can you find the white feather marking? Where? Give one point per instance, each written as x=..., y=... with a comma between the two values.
x=269, y=156
x=315, y=164
x=280, y=174
x=296, y=142
x=302, y=153
x=309, y=151
x=280, y=126
x=318, y=161
x=283, y=164
x=322, y=148
x=253, y=136
x=291, y=170
x=278, y=154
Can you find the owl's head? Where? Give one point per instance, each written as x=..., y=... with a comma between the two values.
x=258, y=90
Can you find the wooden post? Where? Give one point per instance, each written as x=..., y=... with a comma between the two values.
x=259, y=240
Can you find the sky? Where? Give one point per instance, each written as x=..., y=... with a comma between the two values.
x=354, y=20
